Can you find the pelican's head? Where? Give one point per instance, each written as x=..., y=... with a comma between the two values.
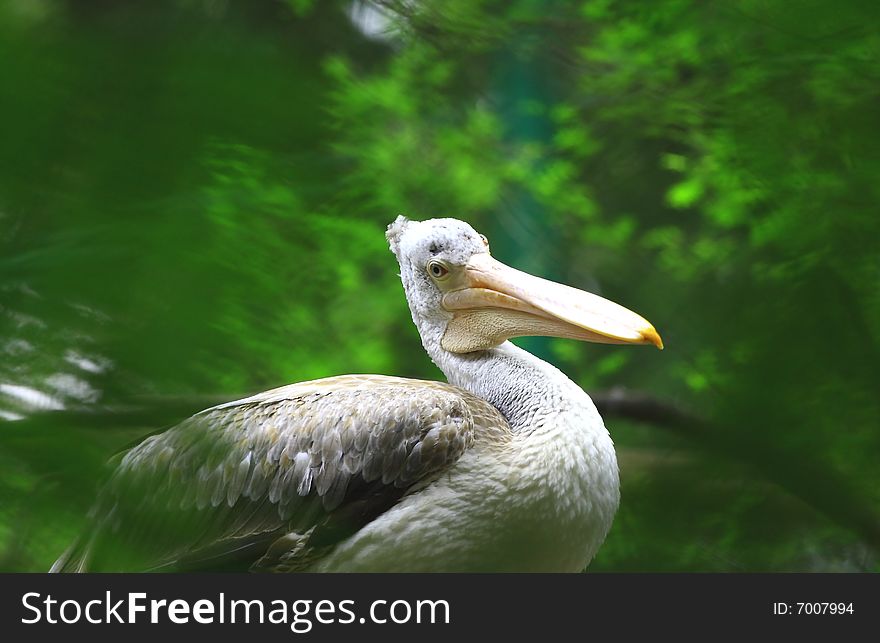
x=474, y=302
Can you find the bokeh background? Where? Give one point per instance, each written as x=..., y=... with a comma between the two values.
x=193, y=195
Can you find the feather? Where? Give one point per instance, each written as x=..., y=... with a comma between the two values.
x=285, y=459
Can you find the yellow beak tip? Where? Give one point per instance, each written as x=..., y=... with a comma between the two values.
x=651, y=336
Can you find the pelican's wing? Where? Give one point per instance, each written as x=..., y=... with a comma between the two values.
x=269, y=481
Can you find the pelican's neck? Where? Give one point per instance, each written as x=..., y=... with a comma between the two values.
x=559, y=467
x=513, y=380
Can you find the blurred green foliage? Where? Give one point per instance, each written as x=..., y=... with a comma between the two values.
x=193, y=195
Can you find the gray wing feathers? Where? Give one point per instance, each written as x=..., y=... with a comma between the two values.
x=282, y=460
x=396, y=431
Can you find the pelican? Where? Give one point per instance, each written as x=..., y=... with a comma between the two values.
x=507, y=467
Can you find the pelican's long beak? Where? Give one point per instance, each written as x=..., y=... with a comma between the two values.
x=492, y=302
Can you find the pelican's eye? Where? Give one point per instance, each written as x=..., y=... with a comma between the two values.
x=437, y=270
